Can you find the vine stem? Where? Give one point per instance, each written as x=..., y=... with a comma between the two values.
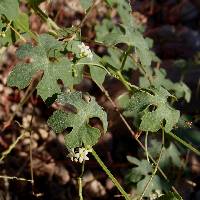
x=184, y=143
x=114, y=180
x=95, y=64
x=156, y=167
x=128, y=85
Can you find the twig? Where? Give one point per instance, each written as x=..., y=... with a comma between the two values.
x=12, y=146
x=14, y=177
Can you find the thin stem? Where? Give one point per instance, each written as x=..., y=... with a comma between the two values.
x=94, y=64
x=80, y=186
x=125, y=58
x=156, y=168
x=189, y=146
x=14, y=177
x=125, y=82
x=80, y=191
x=31, y=153
x=45, y=17
x=146, y=146
x=12, y=146
x=114, y=180
x=17, y=33
x=88, y=13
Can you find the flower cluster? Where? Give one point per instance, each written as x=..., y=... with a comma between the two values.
x=85, y=51
x=80, y=155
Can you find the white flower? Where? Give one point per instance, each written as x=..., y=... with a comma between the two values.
x=71, y=155
x=85, y=51
x=81, y=155
x=156, y=194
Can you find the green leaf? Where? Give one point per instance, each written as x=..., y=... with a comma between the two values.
x=86, y=3
x=124, y=9
x=109, y=2
x=82, y=133
x=152, y=110
x=22, y=23
x=180, y=89
x=6, y=38
x=143, y=169
x=131, y=37
x=97, y=74
x=104, y=29
x=115, y=59
x=155, y=185
x=9, y=8
x=97, y=70
x=141, y=174
x=170, y=196
x=43, y=57
x=170, y=154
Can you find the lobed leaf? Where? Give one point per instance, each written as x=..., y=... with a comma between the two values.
x=141, y=175
x=159, y=79
x=115, y=59
x=45, y=57
x=170, y=154
x=152, y=110
x=82, y=133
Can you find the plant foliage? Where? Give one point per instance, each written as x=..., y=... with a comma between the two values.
x=152, y=110
x=82, y=133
